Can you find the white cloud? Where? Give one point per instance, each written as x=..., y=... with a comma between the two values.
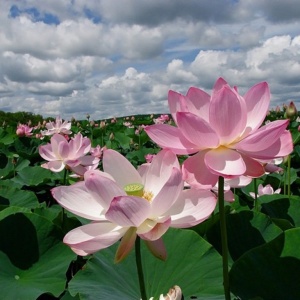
x=113, y=60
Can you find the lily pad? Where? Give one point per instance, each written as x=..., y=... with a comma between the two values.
x=270, y=271
x=33, y=258
x=192, y=264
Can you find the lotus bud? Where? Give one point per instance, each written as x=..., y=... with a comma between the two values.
x=291, y=111
x=111, y=136
x=174, y=293
x=102, y=124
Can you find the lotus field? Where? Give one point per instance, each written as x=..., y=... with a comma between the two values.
x=201, y=203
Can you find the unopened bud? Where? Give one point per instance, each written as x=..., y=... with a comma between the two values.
x=291, y=111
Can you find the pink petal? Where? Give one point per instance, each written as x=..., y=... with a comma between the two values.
x=157, y=248
x=56, y=166
x=196, y=173
x=156, y=231
x=170, y=137
x=229, y=196
x=160, y=170
x=254, y=168
x=143, y=170
x=101, y=187
x=77, y=199
x=219, y=84
x=225, y=162
x=59, y=145
x=285, y=143
x=126, y=244
x=90, y=238
x=176, y=103
x=63, y=150
x=120, y=168
x=227, y=115
x=263, y=137
x=46, y=152
x=128, y=211
x=197, y=102
x=192, y=207
x=88, y=160
x=197, y=130
x=238, y=181
x=79, y=145
x=168, y=194
x=257, y=100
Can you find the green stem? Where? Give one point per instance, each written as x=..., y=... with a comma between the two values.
x=255, y=195
x=223, y=238
x=138, y=259
x=284, y=183
x=289, y=176
x=63, y=210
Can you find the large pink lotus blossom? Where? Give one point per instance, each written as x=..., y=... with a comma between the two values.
x=57, y=127
x=123, y=202
x=224, y=131
x=61, y=153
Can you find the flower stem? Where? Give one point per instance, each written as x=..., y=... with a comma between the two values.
x=255, y=195
x=223, y=238
x=63, y=210
x=138, y=259
x=289, y=176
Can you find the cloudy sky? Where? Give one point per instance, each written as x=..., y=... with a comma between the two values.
x=120, y=57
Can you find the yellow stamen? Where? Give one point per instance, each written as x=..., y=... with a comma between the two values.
x=148, y=195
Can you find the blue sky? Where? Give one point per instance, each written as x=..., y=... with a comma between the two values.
x=117, y=58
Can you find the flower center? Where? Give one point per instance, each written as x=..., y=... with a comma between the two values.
x=137, y=189
x=134, y=189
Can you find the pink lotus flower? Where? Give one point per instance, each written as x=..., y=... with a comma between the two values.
x=57, y=127
x=267, y=190
x=224, y=131
x=149, y=157
x=161, y=119
x=60, y=153
x=24, y=130
x=97, y=151
x=124, y=202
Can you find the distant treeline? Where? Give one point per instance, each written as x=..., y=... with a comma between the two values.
x=22, y=117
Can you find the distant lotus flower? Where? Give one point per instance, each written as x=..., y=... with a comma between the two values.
x=224, y=131
x=128, y=124
x=149, y=157
x=161, y=119
x=267, y=190
x=97, y=151
x=24, y=130
x=57, y=127
x=123, y=202
x=60, y=153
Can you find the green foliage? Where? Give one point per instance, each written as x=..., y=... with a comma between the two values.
x=263, y=239
x=19, y=117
